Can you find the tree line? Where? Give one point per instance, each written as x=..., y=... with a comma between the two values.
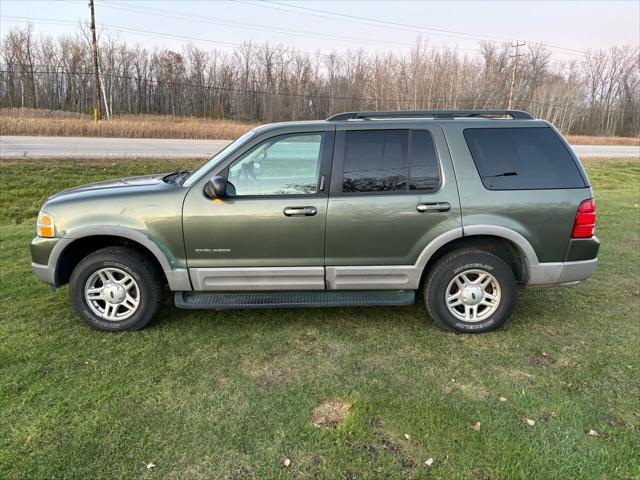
x=597, y=93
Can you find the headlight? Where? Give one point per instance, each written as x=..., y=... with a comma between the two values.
x=46, y=226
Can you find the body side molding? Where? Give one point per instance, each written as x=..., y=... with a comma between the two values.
x=385, y=277
x=257, y=278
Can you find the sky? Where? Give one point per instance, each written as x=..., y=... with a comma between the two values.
x=568, y=28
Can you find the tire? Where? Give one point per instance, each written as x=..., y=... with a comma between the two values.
x=131, y=280
x=454, y=275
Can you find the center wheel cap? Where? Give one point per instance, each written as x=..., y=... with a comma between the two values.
x=114, y=293
x=471, y=295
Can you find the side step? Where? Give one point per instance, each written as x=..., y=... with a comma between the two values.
x=320, y=298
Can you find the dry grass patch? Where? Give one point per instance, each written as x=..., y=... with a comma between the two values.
x=593, y=140
x=29, y=121
x=273, y=372
x=331, y=413
x=16, y=121
x=476, y=392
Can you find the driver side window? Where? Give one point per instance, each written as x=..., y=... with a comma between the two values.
x=283, y=165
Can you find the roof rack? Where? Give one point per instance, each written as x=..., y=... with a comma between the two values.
x=439, y=114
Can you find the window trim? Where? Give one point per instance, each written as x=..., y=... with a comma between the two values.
x=337, y=171
x=563, y=143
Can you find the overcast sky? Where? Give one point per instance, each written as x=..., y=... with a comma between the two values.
x=568, y=27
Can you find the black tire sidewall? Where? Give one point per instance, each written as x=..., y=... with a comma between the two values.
x=90, y=265
x=453, y=265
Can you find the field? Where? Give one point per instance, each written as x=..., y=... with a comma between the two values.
x=587, y=140
x=340, y=393
x=16, y=121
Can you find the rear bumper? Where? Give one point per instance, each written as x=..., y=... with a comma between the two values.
x=577, y=271
x=559, y=273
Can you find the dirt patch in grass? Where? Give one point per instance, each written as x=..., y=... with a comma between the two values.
x=331, y=413
x=540, y=360
x=480, y=474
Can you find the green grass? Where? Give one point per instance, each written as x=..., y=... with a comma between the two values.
x=230, y=394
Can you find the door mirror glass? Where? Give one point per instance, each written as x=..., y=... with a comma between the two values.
x=216, y=187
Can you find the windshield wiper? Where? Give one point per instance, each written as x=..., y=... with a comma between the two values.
x=182, y=176
x=505, y=174
x=492, y=178
x=177, y=177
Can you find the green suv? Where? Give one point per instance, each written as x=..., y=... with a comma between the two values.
x=361, y=209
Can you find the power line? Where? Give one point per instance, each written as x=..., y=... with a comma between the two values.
x=171, y=36
x=395, y=25
x=135, y=31
x=252, y=26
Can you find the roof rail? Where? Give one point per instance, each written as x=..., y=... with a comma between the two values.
x=440, y=114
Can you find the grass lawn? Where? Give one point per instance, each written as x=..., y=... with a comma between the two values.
x=232, y=394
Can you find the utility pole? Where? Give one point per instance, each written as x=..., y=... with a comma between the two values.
x=515, y=57
x=97, y=115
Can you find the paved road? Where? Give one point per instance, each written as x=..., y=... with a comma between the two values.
x=606, y=151
x=26, y=147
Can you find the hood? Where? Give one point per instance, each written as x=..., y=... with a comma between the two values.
x=129, y=182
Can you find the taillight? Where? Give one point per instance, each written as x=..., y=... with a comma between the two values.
x=585, y=224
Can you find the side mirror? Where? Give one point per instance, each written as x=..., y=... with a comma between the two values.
x=216, y=187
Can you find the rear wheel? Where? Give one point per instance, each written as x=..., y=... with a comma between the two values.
x=470, y=290
x=116, y=289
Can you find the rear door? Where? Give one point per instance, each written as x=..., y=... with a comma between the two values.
x=393, y=191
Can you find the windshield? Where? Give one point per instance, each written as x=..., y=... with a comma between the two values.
x=218, y=157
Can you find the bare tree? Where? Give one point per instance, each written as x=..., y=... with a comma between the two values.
x=599, y=94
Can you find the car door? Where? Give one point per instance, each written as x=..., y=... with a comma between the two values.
x=268, y=232
x=393, y=191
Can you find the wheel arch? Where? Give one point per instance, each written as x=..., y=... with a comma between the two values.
x=503, y=242
x=71, y=250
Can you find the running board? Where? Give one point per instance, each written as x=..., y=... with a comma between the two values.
x=319, y=298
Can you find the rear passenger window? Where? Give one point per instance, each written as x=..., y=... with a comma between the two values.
x=380, y=161
x=522, y=159
x=375, y=161
x=423, y=172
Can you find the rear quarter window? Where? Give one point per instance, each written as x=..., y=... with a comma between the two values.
x=522, y=159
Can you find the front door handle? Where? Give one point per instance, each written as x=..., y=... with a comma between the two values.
x=300, y=211
x=433, y=207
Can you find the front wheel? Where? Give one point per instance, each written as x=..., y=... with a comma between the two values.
x=116, y=289
x=470, y=291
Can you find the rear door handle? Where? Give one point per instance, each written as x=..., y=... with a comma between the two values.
x=433, y=207
x=300, y=211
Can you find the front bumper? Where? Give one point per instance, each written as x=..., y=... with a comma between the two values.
x=42, y=263
x=44, y=273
